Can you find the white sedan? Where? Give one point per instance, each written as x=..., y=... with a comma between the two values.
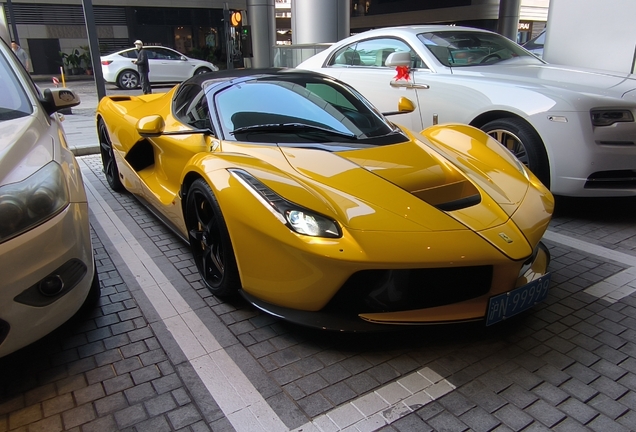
x=574, y=128
x=46, y=257
x=166, y=66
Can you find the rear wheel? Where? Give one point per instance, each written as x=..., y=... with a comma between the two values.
x=108, y=158
x=128, y=79
x=210, y=241
x=524, y=142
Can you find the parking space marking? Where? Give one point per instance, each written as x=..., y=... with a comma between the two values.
x=384, y=405
x=613, y=288
x=239, y=400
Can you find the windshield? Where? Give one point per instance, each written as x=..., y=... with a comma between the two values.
x=466, y=48
x=293, y=107
x=14, y=102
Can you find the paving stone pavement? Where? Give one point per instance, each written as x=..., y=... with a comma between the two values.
x=567, y=365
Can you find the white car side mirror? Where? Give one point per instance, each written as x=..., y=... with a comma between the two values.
x=184, y=58
x=398, y=59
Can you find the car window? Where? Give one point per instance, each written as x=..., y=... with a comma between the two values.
x=129, y=54
x=163, y=54
x=467, y=48
x=190, y=106
x=313, y=101
x=345, y=56
x=14, y=102
x=373, y=53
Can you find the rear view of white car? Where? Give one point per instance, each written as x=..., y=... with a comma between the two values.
x=166, y=66
x=46, y=256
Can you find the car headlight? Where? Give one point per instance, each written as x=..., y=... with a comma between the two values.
x=607, y=117
x=297, y=218
x=28, y=203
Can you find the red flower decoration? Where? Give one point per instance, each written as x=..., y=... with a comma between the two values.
x=402, y=73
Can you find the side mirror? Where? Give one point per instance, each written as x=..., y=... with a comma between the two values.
x=398, y=59
x=56, y=99
x=150, y=126
x=184, y=58
x=405, y=106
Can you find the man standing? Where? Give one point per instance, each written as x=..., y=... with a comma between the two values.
x=22, y=55
x=142, y=67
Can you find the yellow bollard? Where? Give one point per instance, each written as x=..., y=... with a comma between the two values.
x=62, y=73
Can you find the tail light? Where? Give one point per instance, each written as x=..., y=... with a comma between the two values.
x=106, y=62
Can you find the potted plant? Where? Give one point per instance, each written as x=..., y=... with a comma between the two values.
x=86, y=60
x=72, y=61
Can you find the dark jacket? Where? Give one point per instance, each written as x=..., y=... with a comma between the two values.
x=142, y=61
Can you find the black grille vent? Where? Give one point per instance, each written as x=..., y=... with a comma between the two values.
x=372, y=291
x=52, y=14
x=619, y=179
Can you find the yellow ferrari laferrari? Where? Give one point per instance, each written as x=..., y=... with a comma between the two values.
x=294, y=191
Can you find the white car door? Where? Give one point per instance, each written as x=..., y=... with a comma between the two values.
x=362, y=65
x=169, y=65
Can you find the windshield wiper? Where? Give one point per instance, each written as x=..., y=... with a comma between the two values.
x=291, y=127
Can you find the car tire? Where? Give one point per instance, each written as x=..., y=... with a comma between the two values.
x=108, y=157
x=524, y=142
x=128, y=79
x=210, y=241
x=202, y=70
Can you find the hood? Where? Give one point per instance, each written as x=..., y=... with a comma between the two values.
x=418, y=184
x=579, y=80
x=23, y=148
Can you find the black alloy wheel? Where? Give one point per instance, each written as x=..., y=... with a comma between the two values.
x=524, y=142
x=210, y=241
x=108, y=157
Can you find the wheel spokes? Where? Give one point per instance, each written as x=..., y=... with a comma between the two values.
x=512, y=143
x=207, y=241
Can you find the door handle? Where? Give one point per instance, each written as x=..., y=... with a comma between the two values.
x=407, y=84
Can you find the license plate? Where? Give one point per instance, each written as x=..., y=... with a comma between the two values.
x=516, y=301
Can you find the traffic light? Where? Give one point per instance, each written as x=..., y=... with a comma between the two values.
x=236, y=18
x=246, y=41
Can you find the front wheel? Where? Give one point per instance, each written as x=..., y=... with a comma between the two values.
x=523, y=142
x=108, y=157
x=210, y=241
x=128, y=79
x=202, y=70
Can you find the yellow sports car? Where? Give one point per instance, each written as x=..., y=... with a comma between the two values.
x=292, y=190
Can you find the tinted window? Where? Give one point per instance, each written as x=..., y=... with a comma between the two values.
x=466, y=48
x=191, y=107
x=129, y=54
x=311, y=101
x=163, y=54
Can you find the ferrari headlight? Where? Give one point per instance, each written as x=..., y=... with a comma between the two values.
x=297, y=218
x=607, y=117
x=32, y=201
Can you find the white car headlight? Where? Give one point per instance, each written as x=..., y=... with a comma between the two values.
x=297, y=218
x=34, y=200
x=607, y=117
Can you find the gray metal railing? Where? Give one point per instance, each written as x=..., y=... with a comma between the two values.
x=291, y=56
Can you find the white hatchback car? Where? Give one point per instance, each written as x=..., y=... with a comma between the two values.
x=46, y=257
x=574, y=128
x=166, y=66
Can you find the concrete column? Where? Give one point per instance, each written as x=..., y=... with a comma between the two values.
x=316, y=21
x=508, y=24
x=262, y=19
